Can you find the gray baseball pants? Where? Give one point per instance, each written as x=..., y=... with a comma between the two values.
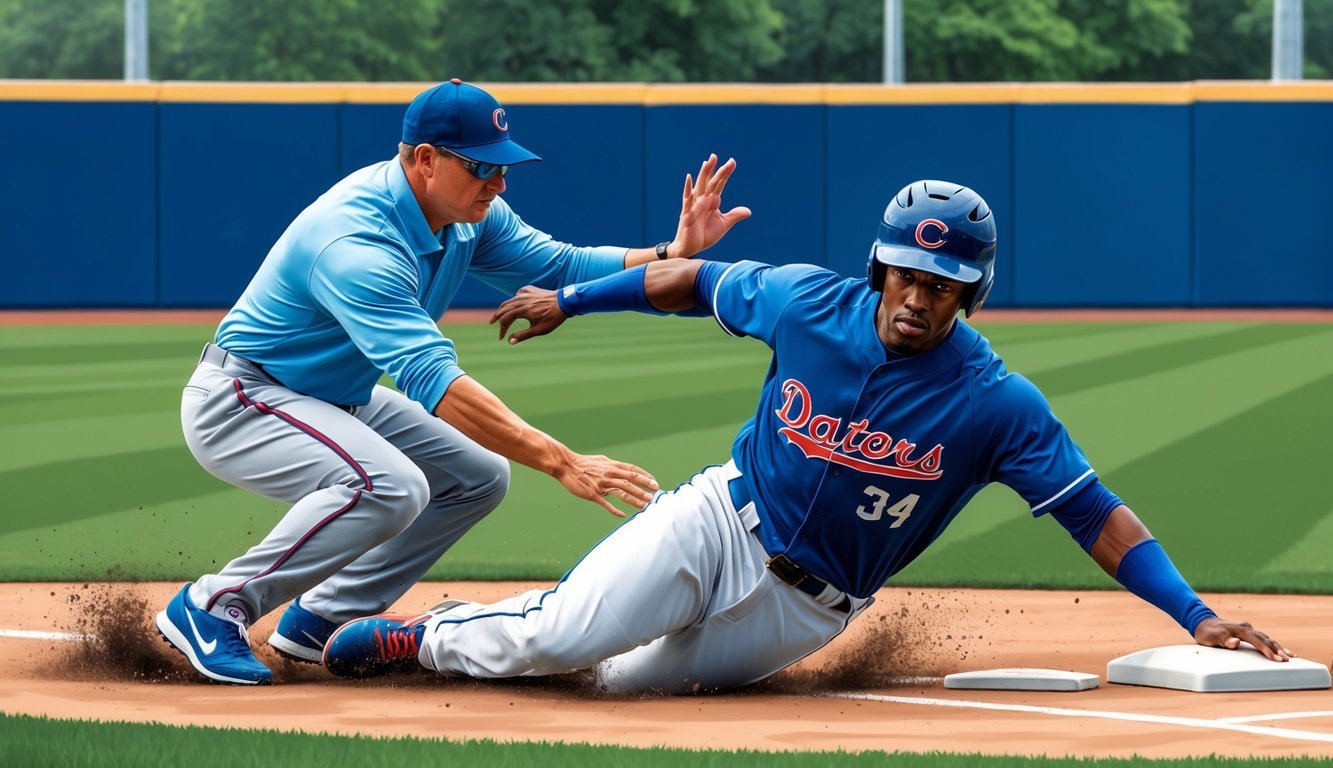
x=378, y=493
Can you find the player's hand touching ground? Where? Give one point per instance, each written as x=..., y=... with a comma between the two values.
x=596, y=477
x=702, y=222
x=1226, y=634
x=537, y=306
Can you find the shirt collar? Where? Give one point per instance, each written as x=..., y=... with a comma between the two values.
x=414, y=228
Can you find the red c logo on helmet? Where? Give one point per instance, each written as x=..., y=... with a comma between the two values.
x=498, y=117
x=921, y=232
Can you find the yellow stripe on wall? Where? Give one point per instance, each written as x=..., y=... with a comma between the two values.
x=665, y=94
x=76, y=90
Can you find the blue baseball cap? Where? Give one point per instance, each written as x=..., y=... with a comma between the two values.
x=463, y=119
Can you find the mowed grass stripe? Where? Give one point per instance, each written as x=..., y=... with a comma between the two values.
x=1052, y=355
x=1248, y=501
x=170, y=541
x=53, y=440
x=87, y=352
x=159, y=399
x=1022, y=333
x=1131, y=364
x=77, y=489
x=28, y=337
x=1309, y=553
x=1252, y=499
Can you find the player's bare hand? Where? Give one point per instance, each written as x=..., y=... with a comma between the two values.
x=1225, y=634
x=535, y=305
x=596, y=477
x=702, y=222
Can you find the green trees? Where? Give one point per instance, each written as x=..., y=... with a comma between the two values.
x=658, y=40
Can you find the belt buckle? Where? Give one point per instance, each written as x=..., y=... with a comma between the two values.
x=786, y=570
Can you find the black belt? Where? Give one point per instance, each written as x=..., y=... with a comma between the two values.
x=784, y=567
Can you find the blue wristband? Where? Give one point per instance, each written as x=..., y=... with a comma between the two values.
x=618, y=292
x=1146, y=571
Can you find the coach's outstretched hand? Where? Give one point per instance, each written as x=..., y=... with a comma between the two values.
x=596, y=477
x=536, y=305
x=1226, y=634
x=702, y=222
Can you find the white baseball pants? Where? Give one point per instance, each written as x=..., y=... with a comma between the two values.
x=677, y=599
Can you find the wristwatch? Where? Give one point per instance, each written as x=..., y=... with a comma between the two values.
x=662, y=249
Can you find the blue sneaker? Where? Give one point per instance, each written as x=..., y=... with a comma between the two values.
x=301, y=635
x=218, y=648
x=376, y=646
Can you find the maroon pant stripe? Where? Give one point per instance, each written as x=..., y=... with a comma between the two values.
x=269, y=410
x=325, y=440
x=213, y=599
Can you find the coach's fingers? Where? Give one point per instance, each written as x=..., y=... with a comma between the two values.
x=723, y=174
x=608, y=506
x=737, y=214
x=637, y=475
x=705, y=174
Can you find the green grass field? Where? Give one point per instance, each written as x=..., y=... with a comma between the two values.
x=33, y=741
x=1218, y=434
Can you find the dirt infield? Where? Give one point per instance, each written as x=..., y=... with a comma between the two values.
x=213, y=316
x=876, y=687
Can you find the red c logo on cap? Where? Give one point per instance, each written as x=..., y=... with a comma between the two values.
x=921, y=229
x=498, y=117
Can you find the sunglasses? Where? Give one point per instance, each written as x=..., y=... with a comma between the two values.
x=482, y=171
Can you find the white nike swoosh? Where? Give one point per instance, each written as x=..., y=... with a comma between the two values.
x=207, y=647
x=318, y=643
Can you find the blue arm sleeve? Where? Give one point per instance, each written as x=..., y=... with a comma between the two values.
x=1084, y=513
x=620, y=292
x=1146, y=571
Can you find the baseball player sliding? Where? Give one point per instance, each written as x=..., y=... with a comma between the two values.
x=881, y=416
x=284, y=402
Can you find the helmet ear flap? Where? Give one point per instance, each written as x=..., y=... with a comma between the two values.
x=977, y=292
x=876, y=271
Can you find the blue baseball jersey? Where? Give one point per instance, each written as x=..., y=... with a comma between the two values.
x=357, y=283
x=856, y=458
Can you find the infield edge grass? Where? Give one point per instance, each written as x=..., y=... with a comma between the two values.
x=40, y=741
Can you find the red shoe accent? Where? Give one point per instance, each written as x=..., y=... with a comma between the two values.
x=400, y=643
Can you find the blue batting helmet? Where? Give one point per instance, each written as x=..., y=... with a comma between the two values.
x=942, y=228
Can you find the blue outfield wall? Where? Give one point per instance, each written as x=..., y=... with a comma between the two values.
x=1105, y=214
x=78, y=214
x=1167, y=195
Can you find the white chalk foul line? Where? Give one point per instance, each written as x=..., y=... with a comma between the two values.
x=1188, y=722
x=1282, y=716
x=26, y=634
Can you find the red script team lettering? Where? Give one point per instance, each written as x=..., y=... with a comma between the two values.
x=818, y=437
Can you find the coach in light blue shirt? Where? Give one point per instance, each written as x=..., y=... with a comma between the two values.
x=382, y=482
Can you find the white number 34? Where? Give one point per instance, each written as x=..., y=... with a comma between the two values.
x=899, y=512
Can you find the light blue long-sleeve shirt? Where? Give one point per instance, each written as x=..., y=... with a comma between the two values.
x=356, y=285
